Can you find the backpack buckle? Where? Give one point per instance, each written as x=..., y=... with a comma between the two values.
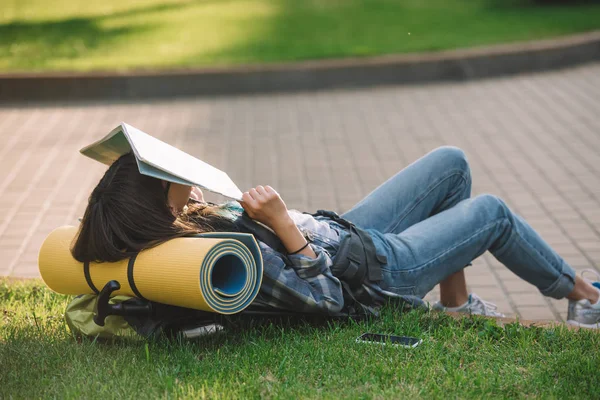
x=103, y=308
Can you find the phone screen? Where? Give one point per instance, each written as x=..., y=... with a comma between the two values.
x=404, y=341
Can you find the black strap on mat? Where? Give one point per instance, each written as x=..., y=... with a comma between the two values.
x=88, y=277
x=130, y=279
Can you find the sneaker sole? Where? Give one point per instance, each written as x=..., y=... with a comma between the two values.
x=581, y=325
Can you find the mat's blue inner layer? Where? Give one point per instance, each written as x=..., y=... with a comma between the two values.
x=228, y=275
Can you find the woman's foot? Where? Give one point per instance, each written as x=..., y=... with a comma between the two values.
x=583, y=313
x=475, y=306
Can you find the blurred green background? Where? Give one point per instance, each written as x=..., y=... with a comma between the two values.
x=38, y=35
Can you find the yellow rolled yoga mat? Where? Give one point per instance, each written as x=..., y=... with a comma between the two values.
x=218, y=272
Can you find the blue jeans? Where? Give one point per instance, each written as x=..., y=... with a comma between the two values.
x=424, y=221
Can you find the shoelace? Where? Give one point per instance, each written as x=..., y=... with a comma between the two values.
x=592, y=272
x=488, y=308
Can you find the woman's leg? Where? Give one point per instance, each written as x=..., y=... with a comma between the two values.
x=453, y=290
x=434, y=183
x=429, y=252
x=584, y=291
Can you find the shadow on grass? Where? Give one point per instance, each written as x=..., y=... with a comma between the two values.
x=517, y=5
x=36, y=44
x=355, y=28
x=292, y=31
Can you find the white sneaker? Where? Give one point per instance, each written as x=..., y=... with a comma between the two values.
x=475, y=306
x=583, y=313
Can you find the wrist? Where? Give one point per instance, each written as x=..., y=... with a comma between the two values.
x=283, y=224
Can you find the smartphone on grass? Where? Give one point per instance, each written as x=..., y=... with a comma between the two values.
x=398, y=341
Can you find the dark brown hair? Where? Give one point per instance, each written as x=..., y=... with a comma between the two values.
x=128, y=212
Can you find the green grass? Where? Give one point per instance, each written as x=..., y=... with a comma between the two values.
x=458, y=359
x=116, y=34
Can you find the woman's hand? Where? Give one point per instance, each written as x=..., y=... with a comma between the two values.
x=264, y=205
x=196, y=194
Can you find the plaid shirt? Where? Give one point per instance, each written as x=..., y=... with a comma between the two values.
x=306, y=284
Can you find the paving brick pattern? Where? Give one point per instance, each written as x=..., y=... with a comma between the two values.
x=534, y=140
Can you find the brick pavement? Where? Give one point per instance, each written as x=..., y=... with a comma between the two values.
x=533, y=139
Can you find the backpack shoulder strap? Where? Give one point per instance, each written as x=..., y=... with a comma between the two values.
x=262, y=233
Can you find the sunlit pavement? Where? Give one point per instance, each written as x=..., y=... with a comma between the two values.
x=534, y=140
